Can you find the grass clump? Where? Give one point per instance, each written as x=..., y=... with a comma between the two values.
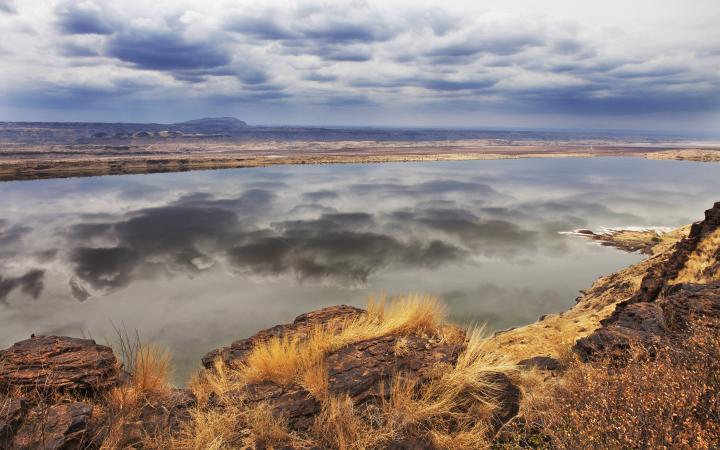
x=299, y=359
x=453, y=408
x=702, y=264
x=149, y=367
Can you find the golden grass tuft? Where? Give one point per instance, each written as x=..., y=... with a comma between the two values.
x=293, y=359
x=149, y=366
x=453, y=409
x=697, y=267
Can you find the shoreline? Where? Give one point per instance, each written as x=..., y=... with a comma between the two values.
x=176, y=161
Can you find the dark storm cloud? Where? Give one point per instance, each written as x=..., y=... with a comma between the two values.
x=167, y=239
x=338, y=256
x=105, y=268
x=31, y=284
x=166, y=51
x=85, y=18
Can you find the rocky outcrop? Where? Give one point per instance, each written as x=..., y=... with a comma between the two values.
x=46, y=364
x=361, y=370
x=64, y=426
x=333, y=316
x=661, y=309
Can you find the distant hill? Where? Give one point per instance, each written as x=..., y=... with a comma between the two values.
x=210, y=124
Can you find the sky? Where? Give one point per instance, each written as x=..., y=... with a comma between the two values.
x=616, y=64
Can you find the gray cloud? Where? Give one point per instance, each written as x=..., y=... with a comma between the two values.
x=83, y=18
x=447, y=63
x=7, y=6
x=166, y=51
x=31, y=284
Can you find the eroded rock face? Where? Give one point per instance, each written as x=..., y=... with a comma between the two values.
x=660, y=309
x=44, y=364
x=63, y=426
x=361, y=369
x=300, y=327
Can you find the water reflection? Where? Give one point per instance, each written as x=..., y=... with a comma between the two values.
x=194, y=260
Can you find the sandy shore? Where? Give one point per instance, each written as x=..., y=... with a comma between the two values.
x=27, y=163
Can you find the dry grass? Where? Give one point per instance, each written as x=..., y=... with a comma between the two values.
x=700, y=264
x=149, y=366
x=454, y=409
x=669, y=401
x=291, y=359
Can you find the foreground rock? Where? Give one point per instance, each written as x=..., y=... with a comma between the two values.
x=362, y=371
x=46, y=364
x=61, y=426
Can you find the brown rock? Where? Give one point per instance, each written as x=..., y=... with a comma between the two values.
x=159, y=416
x=361, y=370
x=12, y=411
x=300, y=327
x=50, y=363
x=62, y=426
x=660, y=310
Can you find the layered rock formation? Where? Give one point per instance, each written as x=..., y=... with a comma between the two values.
x=665, y=303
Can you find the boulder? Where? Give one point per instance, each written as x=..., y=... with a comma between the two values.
x=46, y=364
x=333, y=316
x=62, y=426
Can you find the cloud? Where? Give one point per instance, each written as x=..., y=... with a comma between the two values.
x=366, y=62
x=82, y=18
x=158, y=50
x=7, y=6
x=323, y=251
x=31, y=284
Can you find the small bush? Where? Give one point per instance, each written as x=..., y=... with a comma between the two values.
x=669, y=401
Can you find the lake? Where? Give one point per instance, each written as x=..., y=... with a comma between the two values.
x=196, y=260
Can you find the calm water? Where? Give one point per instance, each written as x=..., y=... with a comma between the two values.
x=195, y=260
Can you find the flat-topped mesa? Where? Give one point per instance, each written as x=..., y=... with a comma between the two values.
x=682, y=288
